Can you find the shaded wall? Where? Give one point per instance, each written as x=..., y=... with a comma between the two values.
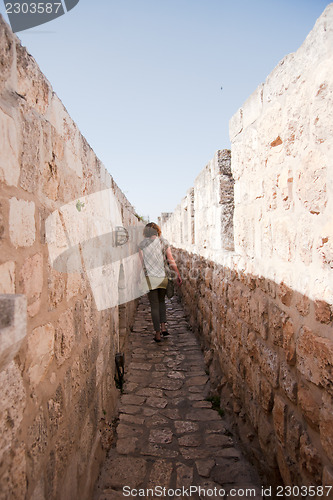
x=57, y=344
x=265, y=310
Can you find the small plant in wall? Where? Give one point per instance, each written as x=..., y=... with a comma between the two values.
x=79, y=205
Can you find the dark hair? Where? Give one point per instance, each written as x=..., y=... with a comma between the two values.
x=151, y=229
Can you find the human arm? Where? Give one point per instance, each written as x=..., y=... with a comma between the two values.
x=173, y=265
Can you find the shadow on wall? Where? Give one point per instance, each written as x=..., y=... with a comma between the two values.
x=270, y=355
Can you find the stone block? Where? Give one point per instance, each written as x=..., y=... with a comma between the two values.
x=7, y=278
x=31, y=281
x=64, y=336
x=252, y=107
x=315, y=358
x=40, y=352
x=12, y=405
x=267, y=438
x=323, y=312
x=9, y=151
x=284, y=466
x=30, y=158
x=56, y=283
x=280, y=418
x=266, y=395
x=294, y=432
x=56, y=411
x=22, y=226
x=13, y=326
x=310, y=404
x=284, y=238
x=37, y=442
x=303, y=305
x=310, y=461
x=326, y=426
x=276, y=320
x=314, y=199
x=236, y=124
x=14, y=479
x=285, y=294
x=324, y=246
x=269, y=364
x=288, y=381
x=289, y=344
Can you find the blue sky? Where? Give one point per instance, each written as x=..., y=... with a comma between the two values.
x=142, y=79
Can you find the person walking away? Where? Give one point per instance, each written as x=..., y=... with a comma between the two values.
x=155, y=255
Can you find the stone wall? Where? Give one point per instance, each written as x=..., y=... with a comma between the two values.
x=203, y=219
x=264, y=310
x=57, y=342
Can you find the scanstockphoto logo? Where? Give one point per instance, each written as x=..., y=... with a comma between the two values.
x=25, y=14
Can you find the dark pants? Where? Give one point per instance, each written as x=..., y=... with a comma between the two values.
x=158, y=310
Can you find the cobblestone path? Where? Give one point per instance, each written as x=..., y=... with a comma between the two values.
x=168, y=435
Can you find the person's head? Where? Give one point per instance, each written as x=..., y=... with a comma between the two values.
x=151, y=229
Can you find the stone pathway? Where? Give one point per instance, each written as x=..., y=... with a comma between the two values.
x=168, y=435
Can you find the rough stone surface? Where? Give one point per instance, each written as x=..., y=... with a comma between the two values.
x=40, y=352
x=176, y=446
x=22, y=226
x=57, y=348
x=263, y=305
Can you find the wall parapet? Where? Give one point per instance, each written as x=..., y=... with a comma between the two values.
x=203, y=220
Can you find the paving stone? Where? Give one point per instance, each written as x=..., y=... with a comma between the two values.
x=130, y=387
x=124, y=417
x=149, y=392
x=219, y=440
x=157, y=420
x=132, y=410
x=195, y=453
x=195, y=396
x=196, y=380
x=154, y=450
x=197, y=388
x=127, y=430
x=190, y=440
x=184, y=476
x=160, y=436
x=131, y=399
x=157, y=402
x=160, y=474
x=204, y=467
x=183, y=426
x=172, y=414
x=168, y=384
x=215, y=427
x=125, y=446
x=176, y=375
x=202, y=415
x=202, y=404
x=140, y=366
x=150, y=411
x=120, y=471
x=231, y=472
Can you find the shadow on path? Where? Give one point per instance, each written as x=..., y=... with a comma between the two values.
x=168, y=435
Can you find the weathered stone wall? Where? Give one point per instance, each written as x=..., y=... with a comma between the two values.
x=203, y=220
x=57, y=348
x=265, y=309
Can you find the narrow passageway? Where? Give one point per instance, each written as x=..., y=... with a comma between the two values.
x=168, y=435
